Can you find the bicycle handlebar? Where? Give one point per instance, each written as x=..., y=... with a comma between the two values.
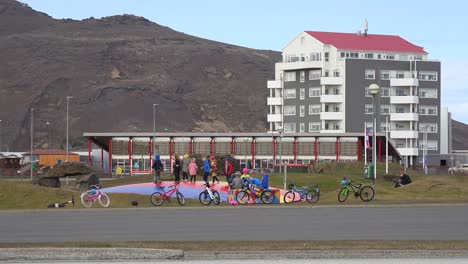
x=97, y=186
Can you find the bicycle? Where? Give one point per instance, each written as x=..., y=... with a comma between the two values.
x=158, y=198
x=366, y=193
x=209, y=195
x=311, y=195
x=250, y=193
x=95, y=193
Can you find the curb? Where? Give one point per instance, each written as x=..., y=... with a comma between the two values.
x=88, y=254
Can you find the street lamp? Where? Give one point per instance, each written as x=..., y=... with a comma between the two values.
x=68, y=99
x=280, y=131
x=31, y=156
x=154, y=125
x=48, y=133
x=425, y=150
x=1, y=135
x=374, y=91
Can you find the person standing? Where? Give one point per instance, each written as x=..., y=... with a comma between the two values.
x=157, y=168
x=214, y=169
x=185, y=167
x=206, y=170
x=176, y=167
x=227, y=170
x=193, y=170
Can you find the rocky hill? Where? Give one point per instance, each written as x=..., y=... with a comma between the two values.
x=116, y=68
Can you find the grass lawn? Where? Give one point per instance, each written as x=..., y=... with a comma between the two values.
x=424, y=189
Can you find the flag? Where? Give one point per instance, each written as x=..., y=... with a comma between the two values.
x=367, y=138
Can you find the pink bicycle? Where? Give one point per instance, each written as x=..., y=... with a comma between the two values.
x=90, y=196
x=158, y=198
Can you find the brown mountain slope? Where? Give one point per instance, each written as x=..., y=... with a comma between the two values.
x=116, y=68
x=459, y=135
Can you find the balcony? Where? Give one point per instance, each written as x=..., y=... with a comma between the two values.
x=331, y=81
x=300, y=65
x=404, y=134
x=408, y=151
x=331, y=98
x=331, y=115
x=404, y=100
x=274, y=101
x=404, y=117
x=404, y=82
x=274, y=117
x=329, y=131
x=273, y=84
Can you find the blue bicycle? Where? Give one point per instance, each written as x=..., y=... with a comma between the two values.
x=311, y=195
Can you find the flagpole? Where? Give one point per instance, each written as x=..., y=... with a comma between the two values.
x=386, y=145
x=365, y=144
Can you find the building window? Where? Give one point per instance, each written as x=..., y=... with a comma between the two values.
x=385, y=109
x=315, y=74
x=385, y=92
x=427, y=110
x=390, y=56
x=427, y=76
x=301, y=127
x=369, y=125
x=314, y=92
x=316, y=56
x=369, y=109
x=289, y=110
x=325, y=74
x=289, y=93
x=336, y=73
x=326, y=56
x=314, y=126
x=427, y=93
x=354, y=55
x=302, y=93
x=399, y=75
x=290, y=76
x=342, y=54
x=431, y=144
x=301, y=110
x=428, y=127
x=302, y=40
x=385, y=75
x=289, y=127
x=302, y=76
x=370, y=74
x=383, y=127
x=314, y=109
x=369, y=55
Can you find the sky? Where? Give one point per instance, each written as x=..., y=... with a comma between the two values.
x=439, y=26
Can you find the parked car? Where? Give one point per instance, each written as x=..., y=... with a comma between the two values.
x=461, y=168
x=257, y=170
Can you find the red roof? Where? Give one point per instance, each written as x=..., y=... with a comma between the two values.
x=371, y=42
x=50, y=152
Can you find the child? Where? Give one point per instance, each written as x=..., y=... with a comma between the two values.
x=193, y=170
x=206, y=170
x=185, y=167
x=214, y=169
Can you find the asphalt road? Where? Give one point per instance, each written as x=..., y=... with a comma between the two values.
x=236, y=223
x=298, y=261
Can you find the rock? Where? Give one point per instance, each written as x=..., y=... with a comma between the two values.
x=66, y=169
x=51, y=182
x=85, y=182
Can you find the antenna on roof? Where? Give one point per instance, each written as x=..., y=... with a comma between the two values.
x=366, y=25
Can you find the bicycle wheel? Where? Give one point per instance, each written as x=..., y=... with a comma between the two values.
x=157, y=198
x=217, y=197
x=343, y=194
x=312, y=196
x=180, y=198
x=86, y=200
x=242, y=197
x=204, y=198
x=289, y=197
x=267, y=197
x=104, y=200
x=367, y=193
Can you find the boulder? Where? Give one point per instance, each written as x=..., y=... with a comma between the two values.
x=84, y=182
x=65, y=169
x=51, y=182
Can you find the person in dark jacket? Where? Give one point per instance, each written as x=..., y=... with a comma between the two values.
x=404, y=180
x=157, y=168
x=176, y=167
x=206, y=170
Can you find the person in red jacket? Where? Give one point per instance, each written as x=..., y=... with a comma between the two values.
x=227, y=170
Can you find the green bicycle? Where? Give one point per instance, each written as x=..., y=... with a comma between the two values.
x=366, y=193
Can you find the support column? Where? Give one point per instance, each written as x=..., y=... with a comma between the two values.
x=150, y=152
x=211, y=146
x=274, y=151
x=191, y=147
x=89, y=150
x=315, y=150
x=110, y=157
x=102, y=158
x=170, y=155
x=337, y=149
x=130, y=156
x=295, y=150
x=252, y=151
x=232, y=147
x=358, y=152
x=379, y=147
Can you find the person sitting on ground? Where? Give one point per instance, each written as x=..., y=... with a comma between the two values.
x=404, y=180
x=237, y=182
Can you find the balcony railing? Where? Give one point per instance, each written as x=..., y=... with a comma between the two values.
x=274, y=101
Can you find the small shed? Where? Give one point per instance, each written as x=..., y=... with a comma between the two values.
x=50, y=157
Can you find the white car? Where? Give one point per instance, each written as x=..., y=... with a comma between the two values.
x=461, y=168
